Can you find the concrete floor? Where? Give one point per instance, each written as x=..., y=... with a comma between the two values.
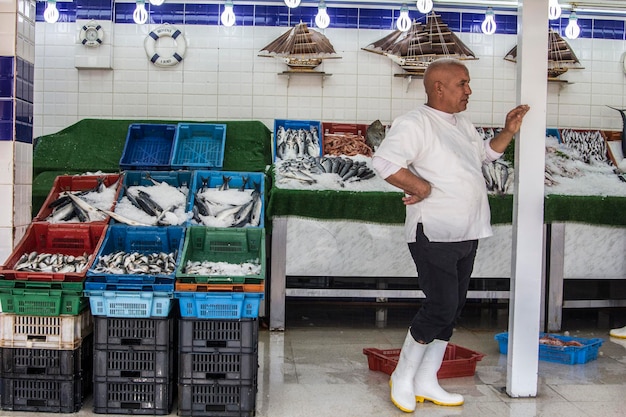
x=316, y=368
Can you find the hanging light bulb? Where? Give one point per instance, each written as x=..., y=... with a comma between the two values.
x=51, y=14
x=572, y=30
x=554, y=10
x=404, y=21
x=322, y=20
x=228, y=15
x=292, y=4
x=424, y=6
x=156, y=2
x=489, y=24
x=140, y=15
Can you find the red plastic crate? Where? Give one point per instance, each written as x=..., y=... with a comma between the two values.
x=67, y=239
x=457, y=361
x=77, y=183
x=329, y=128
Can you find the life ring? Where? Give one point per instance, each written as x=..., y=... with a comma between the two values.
x=91, y=34
x=162, y=31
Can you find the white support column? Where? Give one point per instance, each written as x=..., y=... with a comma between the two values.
x=526, y=270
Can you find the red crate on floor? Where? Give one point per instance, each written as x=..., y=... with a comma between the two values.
x=74, y=239
x=457, y=361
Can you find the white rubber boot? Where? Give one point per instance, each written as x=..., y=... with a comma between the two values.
x=426, y=382
x=401, y=381
x=619, y=333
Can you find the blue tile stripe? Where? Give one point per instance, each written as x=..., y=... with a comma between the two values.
x=341, y=17
x=16, y=99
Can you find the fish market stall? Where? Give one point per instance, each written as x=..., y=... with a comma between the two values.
x=325, y=227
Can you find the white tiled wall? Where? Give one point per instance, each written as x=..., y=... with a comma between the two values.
x=223, y=78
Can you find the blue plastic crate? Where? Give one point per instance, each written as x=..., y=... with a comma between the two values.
x=148, y=146
x=113, y=283
x=312, y=126
x=199, y=146
x=569, y=355
x=141, y=239
x=130, y=303
x=216, y=305
x=214, y=179
x=554, y=132
x=177, y=179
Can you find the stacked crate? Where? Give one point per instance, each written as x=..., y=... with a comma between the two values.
x=45, y=325
x=134, y=368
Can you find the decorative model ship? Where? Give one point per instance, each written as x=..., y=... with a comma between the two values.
x=301, y=48
x=422, y=44
x=561, y=58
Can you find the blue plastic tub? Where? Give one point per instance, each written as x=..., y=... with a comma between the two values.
x=128, y=303
x=569, y=355
x=214, y=179
x=141, y=239
x=219, y=305
x=313, y=126
x=199, y=146
x=148, y=146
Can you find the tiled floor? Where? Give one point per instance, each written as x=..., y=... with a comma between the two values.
x=316, y=368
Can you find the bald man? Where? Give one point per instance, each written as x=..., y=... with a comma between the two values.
x=435, y=155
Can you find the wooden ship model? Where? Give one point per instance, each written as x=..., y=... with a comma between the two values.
x=301, y=48
x=422, y=44
x=561, y=57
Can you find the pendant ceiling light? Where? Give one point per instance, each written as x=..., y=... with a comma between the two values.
x=292, y=4
x=404, y=21
x=489, y=24
x=228, y=15
x=554, y=10
x=322, y=20
x=572, y=31
x=424, y=6
x=157, y=2
x=140, y=15
x=51, y=14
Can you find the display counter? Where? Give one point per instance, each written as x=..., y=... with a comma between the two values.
x=359, y=234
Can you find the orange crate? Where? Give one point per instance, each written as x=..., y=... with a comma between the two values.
x=68, y=239
x=194, y=287
x=77, y=183
x=457, y=361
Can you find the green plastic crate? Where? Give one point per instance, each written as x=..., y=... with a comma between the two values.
x=230, y=245
x=37, y=298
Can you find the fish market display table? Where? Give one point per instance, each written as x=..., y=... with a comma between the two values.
x=359, y=234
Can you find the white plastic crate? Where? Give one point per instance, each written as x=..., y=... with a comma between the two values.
x=42, y=332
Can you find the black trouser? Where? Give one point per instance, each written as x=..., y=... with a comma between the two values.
x=444, y=270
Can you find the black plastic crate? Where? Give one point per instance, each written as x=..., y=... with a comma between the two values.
x=152, y=396
x=47, y=363
x=223, y=399
x=201, y=368
x=131, y=363
x=202, y=335
x=61, y=395
x=153, y=333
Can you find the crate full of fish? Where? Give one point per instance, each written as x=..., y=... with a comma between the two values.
x=297, y=139
x=148, y=146
x=128, y=298
x=199, y=146
x=222, y=256
x=55, y=252
x=70, y=193
x=347, y=139
x=38, y=298
x=227, y=199
x=139, y=253
x=560, y=349
x=63, y=332
x=219, y=305
x=153, y=198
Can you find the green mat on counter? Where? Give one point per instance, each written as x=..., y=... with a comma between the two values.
x=92, y=145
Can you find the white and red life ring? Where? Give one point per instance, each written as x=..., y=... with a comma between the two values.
x=150, y=42
x=91, y=34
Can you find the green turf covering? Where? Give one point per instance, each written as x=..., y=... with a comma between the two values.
x=97, y=145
